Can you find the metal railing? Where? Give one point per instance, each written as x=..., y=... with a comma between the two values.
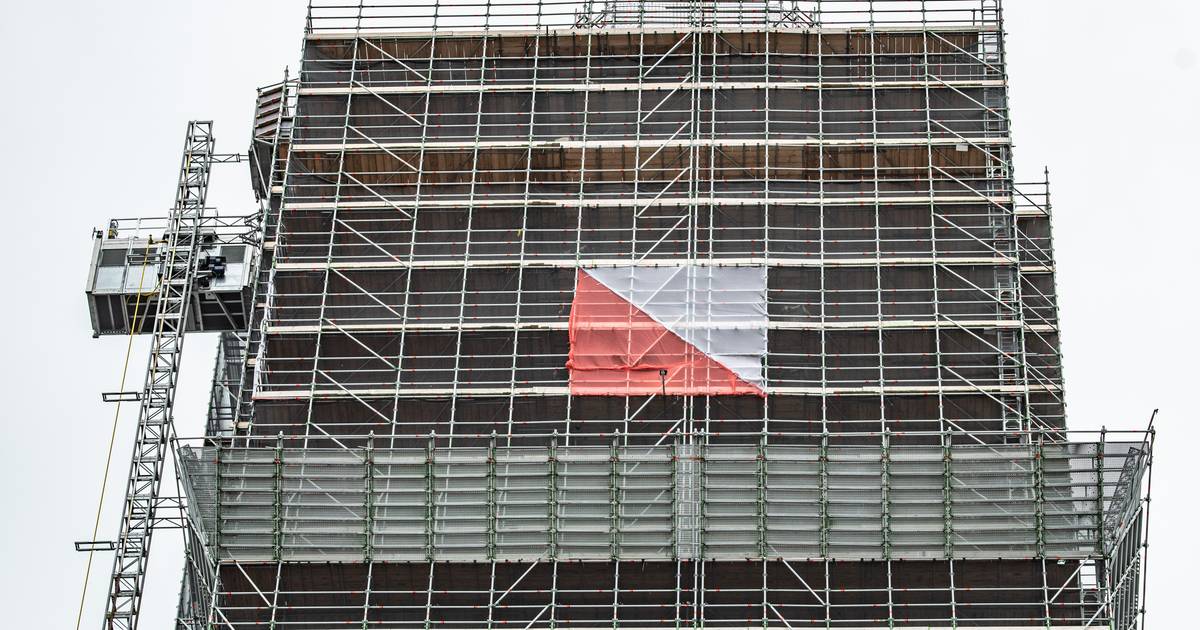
x=334, y=16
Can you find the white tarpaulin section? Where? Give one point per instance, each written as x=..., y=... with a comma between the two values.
x=721, y=311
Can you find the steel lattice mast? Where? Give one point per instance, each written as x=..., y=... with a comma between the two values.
x=177, y=274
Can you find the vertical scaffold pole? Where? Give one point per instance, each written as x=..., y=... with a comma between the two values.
x=552, y=498
x=277, y=502
x=493, y=511
x=369, y=500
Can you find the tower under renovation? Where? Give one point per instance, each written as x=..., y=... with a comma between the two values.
x=620, y=315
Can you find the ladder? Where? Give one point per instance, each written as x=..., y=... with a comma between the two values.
x=177, y=273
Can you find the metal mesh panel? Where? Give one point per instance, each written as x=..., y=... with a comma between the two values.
x=652, y=502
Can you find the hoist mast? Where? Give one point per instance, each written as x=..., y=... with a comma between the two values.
x=177, y=275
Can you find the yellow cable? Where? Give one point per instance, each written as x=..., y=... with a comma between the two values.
x=133, y=326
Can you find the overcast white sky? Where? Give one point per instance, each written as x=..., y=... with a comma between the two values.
x=92, y=119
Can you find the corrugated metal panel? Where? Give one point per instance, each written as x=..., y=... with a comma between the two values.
x=627, y=502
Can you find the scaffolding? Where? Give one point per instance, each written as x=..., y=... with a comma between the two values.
x=394, y=440
x=448, y=173
x=788, y=535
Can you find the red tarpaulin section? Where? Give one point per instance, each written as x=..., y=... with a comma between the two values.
x=619, y=350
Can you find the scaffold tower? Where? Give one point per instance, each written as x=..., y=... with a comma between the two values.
x=629, y=315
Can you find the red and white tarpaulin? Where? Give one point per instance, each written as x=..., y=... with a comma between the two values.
x=705, y=326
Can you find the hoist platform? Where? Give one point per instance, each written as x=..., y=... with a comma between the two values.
x=125, y=267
